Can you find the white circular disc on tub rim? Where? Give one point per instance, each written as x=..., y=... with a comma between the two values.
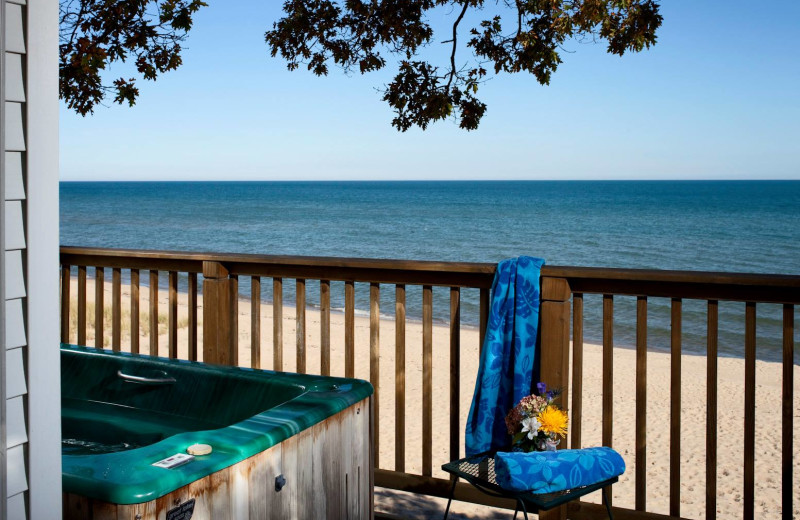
x=199, y=449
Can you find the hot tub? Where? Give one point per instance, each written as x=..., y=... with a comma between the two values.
x=284, y=445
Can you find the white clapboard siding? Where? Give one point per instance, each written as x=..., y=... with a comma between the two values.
x=15, y=374
x=15, y=283
x=14, y=89
x=29, y=31
x=15, y=422
x=17, y=480
x=15, y=139
x=16, y=507
x=15, y=37
x=15, y=188
x=15, y=325
x=15, y=234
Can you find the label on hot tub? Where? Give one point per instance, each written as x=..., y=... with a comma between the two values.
x=181, y=512
x=179, y=459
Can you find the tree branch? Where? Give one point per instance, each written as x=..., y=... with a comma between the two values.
x=455, y=45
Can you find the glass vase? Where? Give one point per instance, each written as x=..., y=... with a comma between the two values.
x=551, y=443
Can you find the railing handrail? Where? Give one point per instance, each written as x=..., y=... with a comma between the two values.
x=702, y=285
x=675, y=276
x=331, y=268
x=708, y=285
x=328, y=261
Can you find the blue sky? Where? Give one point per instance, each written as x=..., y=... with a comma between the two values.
x=717, y=98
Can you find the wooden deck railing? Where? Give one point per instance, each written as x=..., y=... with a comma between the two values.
x=563, y=290
x=677, y=286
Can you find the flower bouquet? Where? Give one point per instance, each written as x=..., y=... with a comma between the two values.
x=535, y=423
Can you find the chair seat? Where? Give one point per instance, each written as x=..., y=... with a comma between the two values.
x=478, y=470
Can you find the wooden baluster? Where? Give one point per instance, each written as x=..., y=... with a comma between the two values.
x=711, y=410
x=255, y=321
x=427, y=380
x=153, y=312
x=277, y=324
x=65, y=302
x=484, y=318
x=787, y=409
x=675, y=411
x=192, y=304
x=325, y=327
x=234, y=311
x=99, y=306
x=173, y=315
x=116, y=309
x=217, y=315
x=455, y=372
x=134, y=311
x=300, y=325
x=608, y=376
x=400, y=378
x=577, y=371
x=554, y=334
x=749, y=410
x=641, y=403
x=374, y=361
x=82, y=305
x=349, y=329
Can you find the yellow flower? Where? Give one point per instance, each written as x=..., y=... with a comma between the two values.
x=553, y=420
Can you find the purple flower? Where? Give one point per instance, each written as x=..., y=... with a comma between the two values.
x=541, y=388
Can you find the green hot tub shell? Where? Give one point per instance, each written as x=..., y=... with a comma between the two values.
x=122, y=412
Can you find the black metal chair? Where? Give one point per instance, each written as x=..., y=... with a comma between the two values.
x=478, y=470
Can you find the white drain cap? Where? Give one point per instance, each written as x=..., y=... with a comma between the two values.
x=199, y=449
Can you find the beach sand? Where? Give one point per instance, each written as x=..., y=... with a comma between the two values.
x=693, y=410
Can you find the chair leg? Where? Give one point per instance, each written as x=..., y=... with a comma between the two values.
x=516, y=510
x=608, y=507
x=449, y=500
x=521, y=504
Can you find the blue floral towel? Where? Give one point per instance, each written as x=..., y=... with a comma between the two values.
x=551, y=471
x=509, y=359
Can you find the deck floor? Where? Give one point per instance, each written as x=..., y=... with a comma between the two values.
x=393, y=504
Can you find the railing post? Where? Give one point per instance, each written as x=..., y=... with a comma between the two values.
x=217, y=315
x=554, y=363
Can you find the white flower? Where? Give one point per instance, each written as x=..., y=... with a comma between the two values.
x=531, y=425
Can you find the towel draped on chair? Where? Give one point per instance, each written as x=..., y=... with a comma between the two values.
x=551, y=471
x=509, y=359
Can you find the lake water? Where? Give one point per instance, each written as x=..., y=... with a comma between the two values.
x=736, y=226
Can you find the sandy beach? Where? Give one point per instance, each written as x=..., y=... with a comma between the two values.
x=693, y=417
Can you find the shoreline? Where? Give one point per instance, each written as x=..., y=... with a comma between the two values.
x=465, y=326
x=287, y=303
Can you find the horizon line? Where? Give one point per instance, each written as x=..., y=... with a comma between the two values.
x=713, y=179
